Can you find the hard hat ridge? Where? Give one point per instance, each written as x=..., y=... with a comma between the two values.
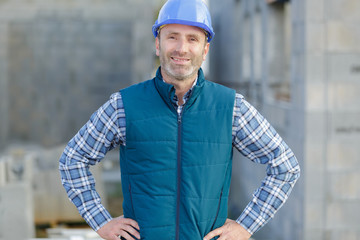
x=185, y=12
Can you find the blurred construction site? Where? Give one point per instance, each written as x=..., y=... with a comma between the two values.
x=297, y=62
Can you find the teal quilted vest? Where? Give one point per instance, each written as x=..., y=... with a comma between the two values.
x=176, y=170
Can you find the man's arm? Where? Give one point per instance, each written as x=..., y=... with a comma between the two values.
x=101, y=133
x=256, y=139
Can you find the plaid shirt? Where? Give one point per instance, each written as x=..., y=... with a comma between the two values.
x=252, y=136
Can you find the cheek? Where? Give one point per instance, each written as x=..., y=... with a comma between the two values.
x=201, y=54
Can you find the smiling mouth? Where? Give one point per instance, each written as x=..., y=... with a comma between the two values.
x=180, y=60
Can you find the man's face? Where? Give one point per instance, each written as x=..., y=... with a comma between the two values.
x=181, y=50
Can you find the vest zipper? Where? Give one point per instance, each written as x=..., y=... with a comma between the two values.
x=178, y=177
x=217, y=211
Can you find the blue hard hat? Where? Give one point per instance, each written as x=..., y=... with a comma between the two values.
x=185, y=12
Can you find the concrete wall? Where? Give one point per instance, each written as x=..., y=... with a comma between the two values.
x=320, y=117
x=60, y=60
x=332, y=103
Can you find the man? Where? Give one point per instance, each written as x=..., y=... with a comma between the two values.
x=176, y=134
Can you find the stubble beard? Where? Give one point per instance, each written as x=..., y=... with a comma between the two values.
x=179, y=73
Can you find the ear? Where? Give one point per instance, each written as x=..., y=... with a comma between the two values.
x=206, y=50
x=157, y=45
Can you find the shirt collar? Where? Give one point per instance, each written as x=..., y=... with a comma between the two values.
x=186, y=95
x=167, y=91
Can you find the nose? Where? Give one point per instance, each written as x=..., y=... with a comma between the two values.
x=182, y=46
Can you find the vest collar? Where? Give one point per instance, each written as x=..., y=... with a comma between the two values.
x=167, y=91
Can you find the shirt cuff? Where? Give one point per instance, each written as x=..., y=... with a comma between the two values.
x=97, y=217
x=250, y=219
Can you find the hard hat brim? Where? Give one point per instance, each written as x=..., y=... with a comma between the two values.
x=209, y=32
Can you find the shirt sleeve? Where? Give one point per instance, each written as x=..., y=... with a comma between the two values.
x=104, y=131
x=257, y=140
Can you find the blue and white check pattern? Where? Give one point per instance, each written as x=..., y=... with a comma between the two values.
x=252, y=136
x=256, y=139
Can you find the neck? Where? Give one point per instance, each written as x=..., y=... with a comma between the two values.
x=181, y=86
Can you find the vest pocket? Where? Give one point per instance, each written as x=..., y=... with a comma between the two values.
x=217, y=211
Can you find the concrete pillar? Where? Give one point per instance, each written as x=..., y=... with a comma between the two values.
x=16, y=212
x=4, y=97
x=16, y=198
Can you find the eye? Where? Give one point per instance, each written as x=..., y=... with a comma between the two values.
x=193, y=39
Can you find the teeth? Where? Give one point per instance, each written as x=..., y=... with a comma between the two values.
x=182, y=60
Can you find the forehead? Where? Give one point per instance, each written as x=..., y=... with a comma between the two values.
x=181, y=29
